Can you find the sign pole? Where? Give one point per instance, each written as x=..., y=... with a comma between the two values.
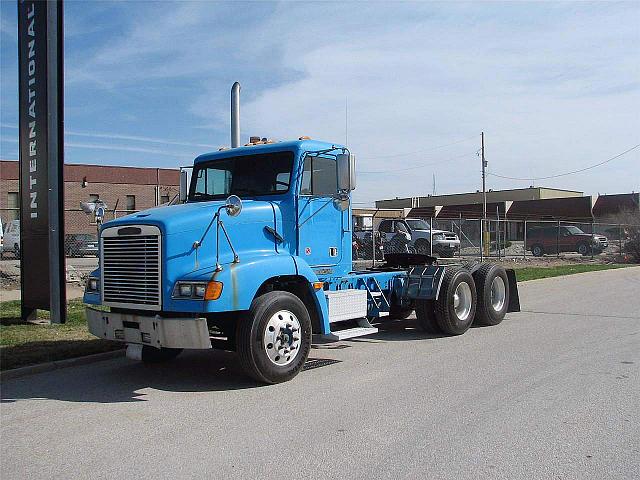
x=55, y=98
x=41, y=147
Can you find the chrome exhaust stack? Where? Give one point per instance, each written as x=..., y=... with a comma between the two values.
x=235, y=115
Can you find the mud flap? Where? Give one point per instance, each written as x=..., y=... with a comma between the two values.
x=514, y=298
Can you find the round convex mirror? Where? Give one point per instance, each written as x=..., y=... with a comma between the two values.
x=233, y=205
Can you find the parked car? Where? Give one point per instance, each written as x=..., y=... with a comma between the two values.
x=363, y=246
x=80, y=245
x=1, y=239
x=445, y=243
x=554, y=239
x=11, y=239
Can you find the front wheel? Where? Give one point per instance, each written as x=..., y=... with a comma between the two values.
x=583, y=249
x=423, y=247
x=274, y=339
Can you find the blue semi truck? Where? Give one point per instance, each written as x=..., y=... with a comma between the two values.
x=257, y=259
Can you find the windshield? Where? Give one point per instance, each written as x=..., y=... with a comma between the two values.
x=574, y=230
x=245, y=176
x=418, y=225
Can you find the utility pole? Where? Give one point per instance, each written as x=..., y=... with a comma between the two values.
x=485, y=243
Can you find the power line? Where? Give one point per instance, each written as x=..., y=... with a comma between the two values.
x=566, y=173
x=424, y=150
x=396, y=170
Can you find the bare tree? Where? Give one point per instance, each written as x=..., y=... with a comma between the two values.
x=629, y=220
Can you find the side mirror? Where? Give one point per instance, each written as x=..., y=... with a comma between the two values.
x=184, y=186
x=346, y=171
x=233, y=205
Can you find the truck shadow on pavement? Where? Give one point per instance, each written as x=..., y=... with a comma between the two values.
x=122, y=380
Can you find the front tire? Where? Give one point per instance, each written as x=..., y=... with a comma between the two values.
x=423, y=247
x=537, y=250
x=455, y=308
x=274, y=339
x=582, y=249
x=492, y=285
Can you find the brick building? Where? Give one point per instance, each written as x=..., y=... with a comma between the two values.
x=124, y=190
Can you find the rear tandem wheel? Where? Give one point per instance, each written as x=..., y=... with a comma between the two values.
x=492, y=284
x=453, y=312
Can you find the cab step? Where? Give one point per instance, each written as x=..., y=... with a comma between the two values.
x=350, y=333
x=363, y=328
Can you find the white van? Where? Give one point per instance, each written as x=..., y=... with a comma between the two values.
x=12, y=237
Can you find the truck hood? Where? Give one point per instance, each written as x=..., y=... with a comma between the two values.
x=183, y=225
x=195, y=217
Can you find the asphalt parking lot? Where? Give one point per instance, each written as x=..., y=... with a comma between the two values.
x=552, y=392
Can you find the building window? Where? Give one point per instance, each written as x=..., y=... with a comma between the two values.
x=164, y=199
x=131, y=202
x=94, y=197
x=13, y=204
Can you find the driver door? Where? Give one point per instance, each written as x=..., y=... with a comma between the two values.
x=320, y=221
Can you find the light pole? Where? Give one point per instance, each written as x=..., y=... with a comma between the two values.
x=485, y=242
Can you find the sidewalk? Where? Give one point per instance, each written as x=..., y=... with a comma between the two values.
x=73, y=291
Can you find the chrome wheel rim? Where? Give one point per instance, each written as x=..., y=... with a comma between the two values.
x=498, y=293
x=582, y=249
x=462, y=300
x=281, y=338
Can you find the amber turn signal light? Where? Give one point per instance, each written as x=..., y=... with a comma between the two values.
x=318, y=285
x=214, y=290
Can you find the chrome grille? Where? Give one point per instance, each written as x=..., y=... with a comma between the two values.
x=131, y=268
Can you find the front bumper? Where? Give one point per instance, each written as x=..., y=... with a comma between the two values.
x=451, y=245
x=154, y=331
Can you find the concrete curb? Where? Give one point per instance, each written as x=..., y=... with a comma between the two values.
x=57, y=364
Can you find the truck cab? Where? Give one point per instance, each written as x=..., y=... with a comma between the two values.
x=256, y=260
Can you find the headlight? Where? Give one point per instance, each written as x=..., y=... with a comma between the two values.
x=185, y=290
x=93, y=284
x=438, y=236
x=197, y=290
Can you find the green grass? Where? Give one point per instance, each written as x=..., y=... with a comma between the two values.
x=534, y=273
x=26, y=343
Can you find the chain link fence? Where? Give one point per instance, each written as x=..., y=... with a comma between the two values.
x=80, y=246
x=468, y=238
x=474, y=238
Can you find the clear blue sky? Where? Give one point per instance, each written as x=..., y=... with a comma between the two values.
x=555, y=86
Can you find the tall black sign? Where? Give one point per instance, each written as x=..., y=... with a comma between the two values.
x=40, y=53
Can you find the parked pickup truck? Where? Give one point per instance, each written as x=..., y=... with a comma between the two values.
x=445, y=243
x=258, y=260
x=564, y=238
